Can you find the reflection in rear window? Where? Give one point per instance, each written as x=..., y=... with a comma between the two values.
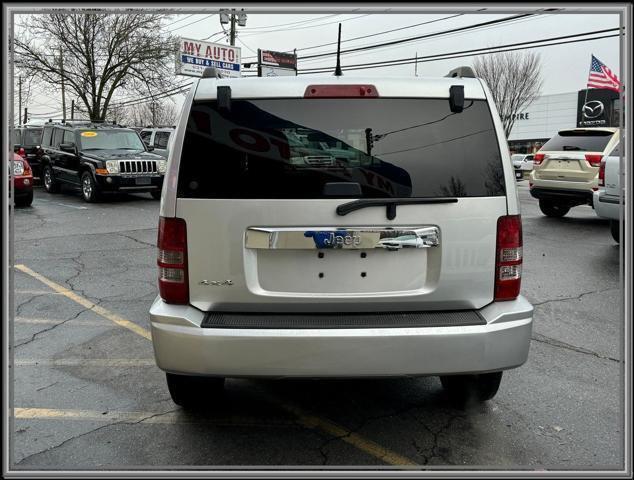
x=582, y=141
x=32, y=136
x=291, y=148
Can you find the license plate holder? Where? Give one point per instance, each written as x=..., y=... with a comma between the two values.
x=143, y=181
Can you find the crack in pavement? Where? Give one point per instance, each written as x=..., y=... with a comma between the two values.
x=559, y=344
x=36, y=334
x=434, y=450
x=573, y=298
x=74, y=437
x=153, y=245
x=90, y=234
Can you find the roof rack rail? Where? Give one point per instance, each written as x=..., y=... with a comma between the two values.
x=212, y=72
x=463, y=72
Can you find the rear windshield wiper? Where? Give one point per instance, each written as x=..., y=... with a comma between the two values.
x=390, y=204
x=570, y=147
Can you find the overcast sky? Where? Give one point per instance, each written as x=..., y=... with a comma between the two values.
x=564, y=67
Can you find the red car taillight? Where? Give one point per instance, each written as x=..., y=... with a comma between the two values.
x=602, y=173
x=172, y=260
x=27, y=169
x=594, y=160
x=538, y=159
x=22, y=153
x=508, y=258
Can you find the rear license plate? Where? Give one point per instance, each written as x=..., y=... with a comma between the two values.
x=143, y=181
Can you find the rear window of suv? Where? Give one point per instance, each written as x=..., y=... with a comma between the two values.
x=578, y=140
x=291, y=148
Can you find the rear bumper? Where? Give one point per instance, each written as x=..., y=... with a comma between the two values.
x=606, y=206
x=570, y=196
x=182, y=346
x=22, y=185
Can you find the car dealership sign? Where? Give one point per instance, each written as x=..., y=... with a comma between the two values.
x=195, y=55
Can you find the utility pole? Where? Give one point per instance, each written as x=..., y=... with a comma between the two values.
x=26, y=116
x=232, y=35
x=232, y=18
x=61, y=68
x=19, y=98
x=72, y=109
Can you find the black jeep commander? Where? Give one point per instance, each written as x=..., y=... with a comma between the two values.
x=99, y=158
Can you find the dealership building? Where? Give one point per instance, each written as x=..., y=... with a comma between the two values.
x=548, y=114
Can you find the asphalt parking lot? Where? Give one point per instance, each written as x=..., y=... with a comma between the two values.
x=87, y=394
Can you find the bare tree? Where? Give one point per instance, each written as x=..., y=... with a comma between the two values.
x=96, y=55
x=515, y=81
x=154, y=112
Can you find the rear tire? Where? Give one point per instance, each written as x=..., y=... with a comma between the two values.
x=470, y=388
x=615, y=230
x=48, y=178
x=553, y=209
x=90, y=191
x=24, y=201
x=156, y=195
x=192, y=392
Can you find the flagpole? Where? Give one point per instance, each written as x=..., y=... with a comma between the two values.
x=585, y=100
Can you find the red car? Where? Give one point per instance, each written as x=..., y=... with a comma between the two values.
x=22, y=181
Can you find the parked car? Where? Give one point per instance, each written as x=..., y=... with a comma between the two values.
x=158, y=138
x=609, y=197
x=522, y=163
x=565, y=170
x=270, y=269
x=99, y=158
x=22, y=181
x=27, y=141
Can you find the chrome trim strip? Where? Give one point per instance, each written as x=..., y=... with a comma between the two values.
x=355, y=238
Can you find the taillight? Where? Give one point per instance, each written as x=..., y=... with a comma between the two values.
x=27, y=169
x=508, y=258
x=538, y=158
x=22, y=153
x=594, y=160
x=602, y=173
x=338, y=91
x=172, y=260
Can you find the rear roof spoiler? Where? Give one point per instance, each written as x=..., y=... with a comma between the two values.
x=464, y=72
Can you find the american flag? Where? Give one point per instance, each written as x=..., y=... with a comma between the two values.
x=602, y=77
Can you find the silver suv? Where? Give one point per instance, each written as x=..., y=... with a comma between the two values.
x=279, y=256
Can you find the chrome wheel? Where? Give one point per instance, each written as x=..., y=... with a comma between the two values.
x=47, y=178
x=86, y=187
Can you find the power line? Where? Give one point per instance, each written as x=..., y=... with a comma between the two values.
x=374, y=34
x=179, y=20
x=195, y=21
x=427, y=35
x=311, y=26
x=292, y=23
x=439, y=34
x=467, y=53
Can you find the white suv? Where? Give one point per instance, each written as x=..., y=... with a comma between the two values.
x=282, y=258
x=158, y=138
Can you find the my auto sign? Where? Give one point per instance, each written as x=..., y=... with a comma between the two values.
x=195, y=55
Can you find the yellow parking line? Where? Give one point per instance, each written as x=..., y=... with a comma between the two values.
x=86, y=362
x=113, y=317
x=36, y=292
x=347, y=436
x=57, y=321
x=169, y=417
x=305, y=419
